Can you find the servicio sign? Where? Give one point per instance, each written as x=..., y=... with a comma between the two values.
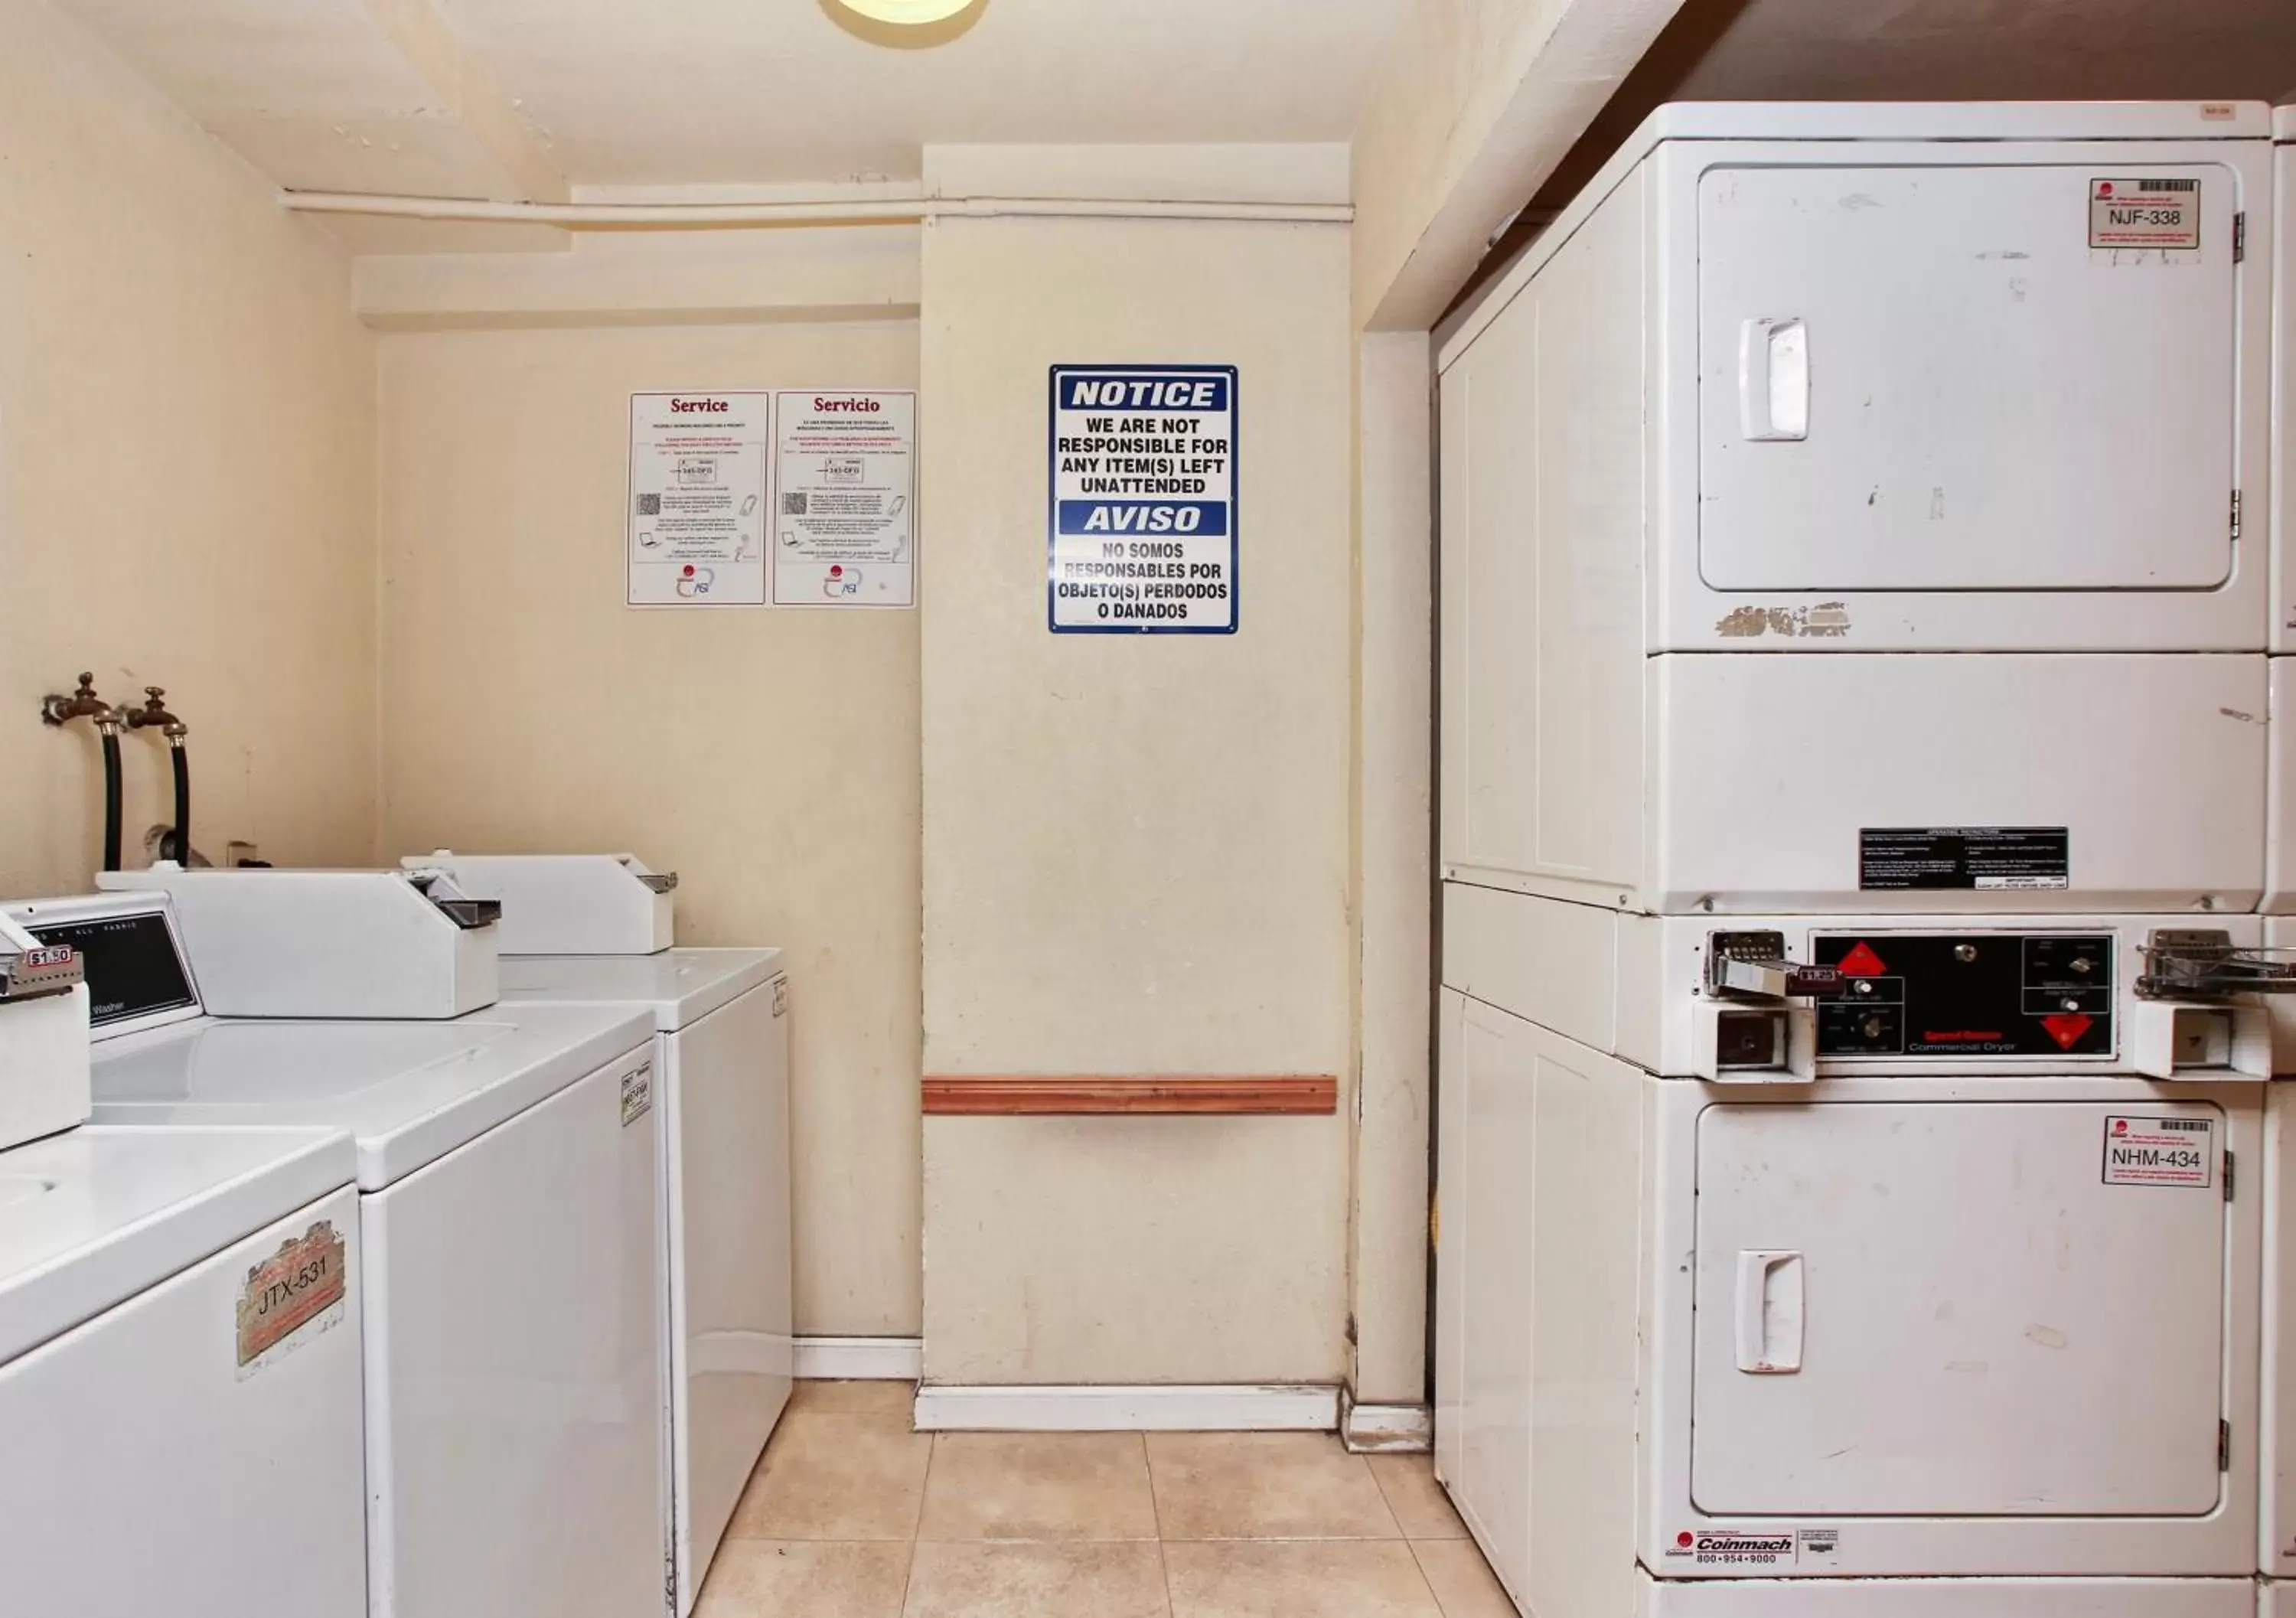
x=1142, y=500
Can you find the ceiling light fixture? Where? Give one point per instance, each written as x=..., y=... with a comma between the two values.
x=907, y=13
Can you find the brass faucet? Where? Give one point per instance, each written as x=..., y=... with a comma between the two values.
x=155, y=712
x=57, y=709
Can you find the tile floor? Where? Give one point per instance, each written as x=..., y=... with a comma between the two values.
x=851, y=1514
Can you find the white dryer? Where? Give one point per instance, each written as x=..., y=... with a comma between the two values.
x=1968, y=1298
x=721, y=1039
x=507, y=1169
x=180, y=1376
x=2283, y=381
x=1790, y=391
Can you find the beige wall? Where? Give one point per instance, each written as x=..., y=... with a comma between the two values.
x=769, y=757
x=187, y=475
x=1136, y=849
x=1394, y=796
x=1478, y=103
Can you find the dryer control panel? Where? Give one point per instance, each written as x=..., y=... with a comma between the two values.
x=1967, y=994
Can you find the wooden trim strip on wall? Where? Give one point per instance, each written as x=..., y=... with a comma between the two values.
x=1260, y=1094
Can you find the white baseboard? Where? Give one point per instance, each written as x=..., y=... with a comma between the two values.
x=860, y=1359
x=1389, y=1428
x=1285, y=1407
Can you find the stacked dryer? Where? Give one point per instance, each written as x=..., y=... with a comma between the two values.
x=2277, y=1542
x=1853, y=790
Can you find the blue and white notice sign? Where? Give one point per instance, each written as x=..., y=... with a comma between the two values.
x=1142, y=500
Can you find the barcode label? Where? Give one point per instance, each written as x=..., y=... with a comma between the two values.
x=2197, y=1126
x=793, y=504
x=2172, y=184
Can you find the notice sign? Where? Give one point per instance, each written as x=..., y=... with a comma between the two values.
x=845, y=524
x=697, y=511
x=1142, y=500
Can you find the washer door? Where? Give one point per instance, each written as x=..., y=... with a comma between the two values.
x=2010, y=1309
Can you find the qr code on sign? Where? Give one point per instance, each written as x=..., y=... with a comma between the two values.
x=649, y=505
x=793, y=504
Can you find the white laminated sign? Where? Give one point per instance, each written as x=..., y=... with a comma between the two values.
x=697, y=511
x=1142, y=500
x=845, y=520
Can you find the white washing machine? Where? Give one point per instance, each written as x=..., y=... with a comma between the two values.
x=1951, y=1292
x=508, y=1169
x=589, y=928
x=721, y=1043
x=179, y=1374
x=1790, y=391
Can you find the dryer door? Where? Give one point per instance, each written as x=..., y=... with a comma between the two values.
x=1955, y=377
x=1964, y=1307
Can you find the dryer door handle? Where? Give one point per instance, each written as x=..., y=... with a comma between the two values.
x=1769, y=1312
x=1773, y=379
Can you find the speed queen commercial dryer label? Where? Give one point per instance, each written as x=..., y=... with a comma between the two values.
x=1142, y=496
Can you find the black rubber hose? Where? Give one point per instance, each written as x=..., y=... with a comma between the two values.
x=178, y=756
x=110, y=801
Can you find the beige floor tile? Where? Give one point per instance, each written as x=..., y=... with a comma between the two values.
x=770, y=1579
x=836, y=1477
x=1418, y=1501
x=1038, y=1486
x=1464, y=1584
x=1264, y=1486
x=1009, y=1580
x=1298, y=1578
x=855, y=1398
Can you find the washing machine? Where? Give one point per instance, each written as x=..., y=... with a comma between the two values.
x=180, y=1375
x=1934, y=1283
x=597, y=929
x=721, y=1044
x=507, y=1168
x=1789, y=392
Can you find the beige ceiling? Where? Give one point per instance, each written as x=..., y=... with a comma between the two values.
x=524, y=98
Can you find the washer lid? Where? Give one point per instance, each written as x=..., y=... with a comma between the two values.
x=679, y=986
x=93, y=1216
x=410, y=1092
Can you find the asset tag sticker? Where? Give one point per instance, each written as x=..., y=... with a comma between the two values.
x=2161, y=1152
x=298, y=1290
x=2154, y=213
x=637, y=1094
x=1730, y=1548
x=780, y=996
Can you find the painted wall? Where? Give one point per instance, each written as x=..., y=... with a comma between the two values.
x=1137, y=856
x=768, y=756
x=187, y=475
x=1479, y=101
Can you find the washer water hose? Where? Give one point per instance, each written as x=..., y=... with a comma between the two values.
x=110, y=731
x=177, y=845
x=57, y=709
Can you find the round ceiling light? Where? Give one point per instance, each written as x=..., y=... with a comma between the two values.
x=907, y=12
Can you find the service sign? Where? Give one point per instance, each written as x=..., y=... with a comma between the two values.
x=845, y=519
x=1142, y=500
x=697, y=515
